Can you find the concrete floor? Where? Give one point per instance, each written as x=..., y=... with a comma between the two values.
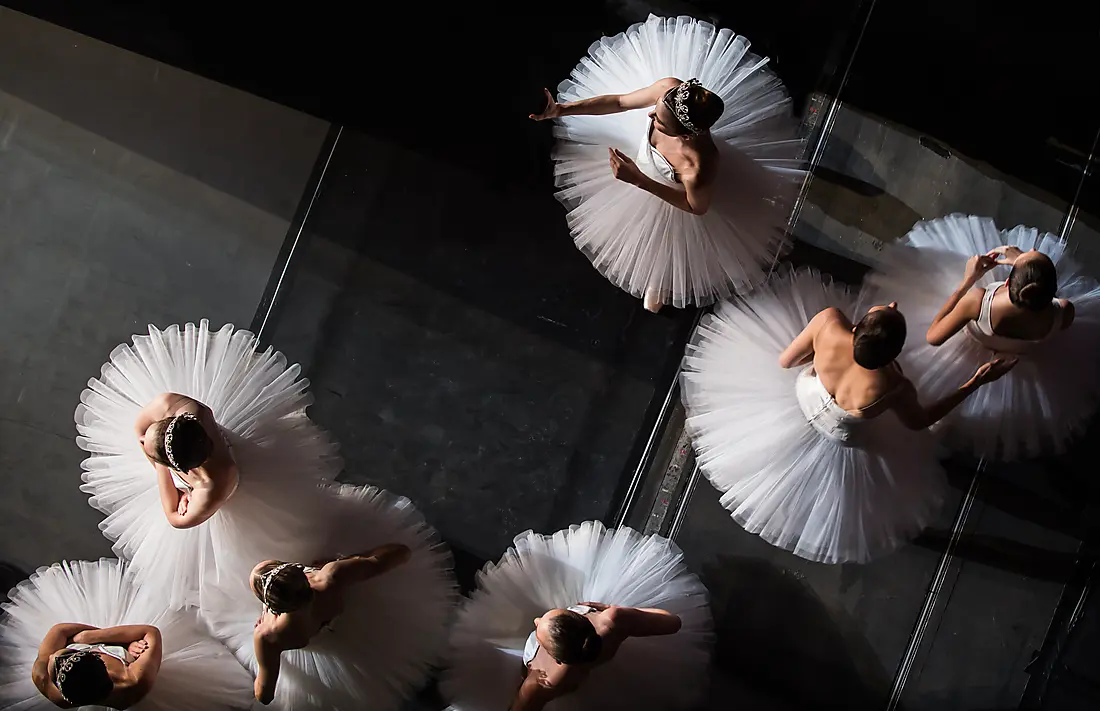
x=133, y=193
x=479, y=366
x=843, y=631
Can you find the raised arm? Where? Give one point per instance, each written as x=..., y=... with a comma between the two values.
x=364, y=566
x=607, y=103
x=267, y=674
x=801, y=349
x=915, y=416
x=964, y=304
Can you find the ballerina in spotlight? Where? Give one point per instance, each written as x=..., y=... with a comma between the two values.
x=201, y=456
x=678, y=159
x=588, y=618
x=824, y=452
x=86, y=634
x=1021, y=295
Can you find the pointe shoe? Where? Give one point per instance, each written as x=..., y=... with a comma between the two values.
x=652, y=301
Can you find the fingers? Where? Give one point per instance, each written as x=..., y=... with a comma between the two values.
x=549, y=96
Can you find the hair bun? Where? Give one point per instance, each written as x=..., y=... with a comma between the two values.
x=593, y=645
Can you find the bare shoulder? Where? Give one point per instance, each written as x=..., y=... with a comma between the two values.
x=667, y=84
x=831, y=321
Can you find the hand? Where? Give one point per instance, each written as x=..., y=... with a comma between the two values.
x=181, y=507
x=552, y=110
x=977, y=267
x=1005, y=255
x=623, y=168
x=993, y=370
x=136, y=649
x=85, y=637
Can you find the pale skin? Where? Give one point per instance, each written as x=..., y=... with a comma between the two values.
x=212, y=482
x=693, y=157
x=965, y=303
x=827, y=342
x=546, y=679
x=276, y=633
x=132, y=681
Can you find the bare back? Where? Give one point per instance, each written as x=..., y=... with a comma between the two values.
x=1011, y=321
x=295, y=629
x=859, y=391
x=561, y=679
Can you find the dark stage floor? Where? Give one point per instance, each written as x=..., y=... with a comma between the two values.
x=371, y=198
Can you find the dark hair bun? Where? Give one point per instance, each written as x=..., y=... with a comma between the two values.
x=590, y=650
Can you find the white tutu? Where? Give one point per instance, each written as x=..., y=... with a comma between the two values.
x=260, y=405
x=197, y=673
x=393, y=630
x=639, y=241
x=585, y=563
x=1047, y=398
x=779, y=476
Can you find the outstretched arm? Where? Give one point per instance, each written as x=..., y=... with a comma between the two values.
x=267, y=675
x=364, y=566
x=801, y=349
x=607, y=103
x=644, y=621
x=917, y=417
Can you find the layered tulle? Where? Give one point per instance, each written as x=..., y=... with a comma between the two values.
x=197, y=673
x=637, y=240
x=585, y=563
x=1039, y=406
x=392, y=632
x=258, y=402
x=779, y=477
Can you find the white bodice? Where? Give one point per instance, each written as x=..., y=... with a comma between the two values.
x=822, y=411
x=111, y=650
x=652, y=163
x=981, y=329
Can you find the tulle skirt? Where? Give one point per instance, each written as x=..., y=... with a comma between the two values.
x=197, y=673
x=639, y=241
x=585, y=563
x=779, y=476
x=1049, y=396
x=393, y=630
x=260, y=405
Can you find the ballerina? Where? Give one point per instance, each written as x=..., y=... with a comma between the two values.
x=196, y=473
x=821, y=453
x=649, y=622
x=1044, y=311
x=701, y=210
x=346, y=632
x=172, y=425
x=128, y=650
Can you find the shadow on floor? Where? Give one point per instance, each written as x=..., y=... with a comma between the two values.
x=780, y=647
